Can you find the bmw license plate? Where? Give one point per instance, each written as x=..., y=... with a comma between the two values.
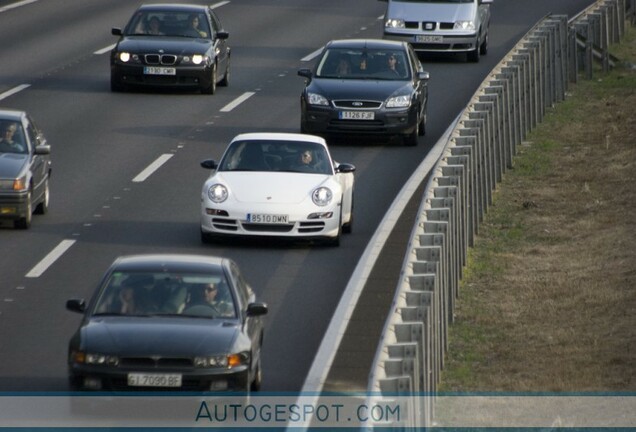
x=356, y=115
x=154, y=380
x=429, y=39
x=267, y=218
x=155, y=70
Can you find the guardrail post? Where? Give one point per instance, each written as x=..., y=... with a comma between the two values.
x=469, y=194
x=431, y=363
x=512, y=73
x=410, y=353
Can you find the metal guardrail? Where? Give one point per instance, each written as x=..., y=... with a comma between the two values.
x=510, y=102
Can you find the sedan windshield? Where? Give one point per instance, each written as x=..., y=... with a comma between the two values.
x=159, y=23
x=174, y=294
x=277, y=156
x=345, y=63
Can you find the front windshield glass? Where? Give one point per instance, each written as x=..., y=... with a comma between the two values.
x=168, y=23
x=363, y=63
x=277, y=156
x=174, y=294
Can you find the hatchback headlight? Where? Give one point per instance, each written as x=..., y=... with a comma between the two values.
x=317, y=99
x=217, y=193
x=464, y=25
x=322, y=196
x=394, y=23
x=403, y=101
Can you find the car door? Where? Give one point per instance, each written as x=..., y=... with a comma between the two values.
x=420, y=87
x=39, y=163
x=252, y=325
x=220, y=44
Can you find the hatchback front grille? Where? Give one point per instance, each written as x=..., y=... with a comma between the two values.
x=357, y=104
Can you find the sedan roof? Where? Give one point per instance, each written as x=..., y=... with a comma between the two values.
x=168, y=262
x=10, y=114
x=366, y=43
x=174, y=7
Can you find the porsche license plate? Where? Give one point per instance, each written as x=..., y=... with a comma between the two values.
x=429, y=39
x=154, y=380
x=155, y=70
x=267, y=218
x=356, y=115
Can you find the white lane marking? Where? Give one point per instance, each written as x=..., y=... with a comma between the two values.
x=13, y=91
x=16, y=5
x=236, y=102
x=331, y=340
x=48, y=260
x=312, y=56
x=105, y=50
x=219, y=4
x=147, y=172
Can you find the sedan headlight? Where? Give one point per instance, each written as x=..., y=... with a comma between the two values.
x=20, y=184
x=196, y=59
x=394, y=23
x=403, y=101
x=82, y=357
x=228, y=361
x=464, y=25
x=217, y=193
x=322, y=196
x=124, y=56
x=317, y=99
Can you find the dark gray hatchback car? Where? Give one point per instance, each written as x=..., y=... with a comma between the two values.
x=168, y=322
x=25, y=168
x=365, y=87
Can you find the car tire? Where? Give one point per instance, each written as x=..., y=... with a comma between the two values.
x=473, y=56
x=43, y=206
x=411, y=139
x=25, y=222
x=115, y=86
x=422, y=128
x=206, y=238
x=257, y=382
x=483, y=48
x=226, y=76
x=335, y=241
x=211, y=89
x=75, y=383
x=348, y=227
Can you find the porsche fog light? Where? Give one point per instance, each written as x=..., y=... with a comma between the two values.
x=322, y=196
x=217, y=193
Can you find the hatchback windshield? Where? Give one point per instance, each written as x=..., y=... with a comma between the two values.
x=344, y=63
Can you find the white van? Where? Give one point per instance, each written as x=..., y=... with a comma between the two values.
x=440, y=25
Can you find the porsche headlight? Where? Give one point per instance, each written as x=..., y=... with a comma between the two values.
x=464, y=25
x=217, y=193
x=403, y=101
x=94, y=358
x=322, y=196
x=317, y=99
x=394, y=23
x=124, y=56
x=228, y=361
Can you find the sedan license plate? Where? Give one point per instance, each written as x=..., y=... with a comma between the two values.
x=267, y=218
x=155, y=70
x=356, y=115
x=154, y=380
x=429, y=39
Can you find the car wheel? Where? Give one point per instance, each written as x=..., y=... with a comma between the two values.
x=25, y=222
x=335, y=241
x=348, y=227
x=75, y=383
x=211, y=89
x=422, y=128
x=43, y=206
x=411, y=139
x=115, y=86
x=206, y=238
x=257, y=382
x=226, y=77
x=473, y=56
x=483, y=49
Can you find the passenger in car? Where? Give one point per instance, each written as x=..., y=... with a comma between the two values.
x=194, y=27
x=8, y=143
x=154, y=26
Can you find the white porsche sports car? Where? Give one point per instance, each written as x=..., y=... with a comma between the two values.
x=277, y=184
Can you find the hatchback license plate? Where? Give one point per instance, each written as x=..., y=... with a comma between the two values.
x=429, y=39
x=356, y=115
x=154, y=70
x=267, y=218
x=154, y=380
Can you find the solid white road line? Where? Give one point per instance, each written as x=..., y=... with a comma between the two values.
x=219, y=4
x=312, y=56
x=48, y=260
x=16, y=5
x=14, y=90
x=236, y=102
x=152, y=168
x=104, y=50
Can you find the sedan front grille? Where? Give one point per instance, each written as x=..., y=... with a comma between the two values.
x=162, y=59
x=151, y=362
x=357, y=104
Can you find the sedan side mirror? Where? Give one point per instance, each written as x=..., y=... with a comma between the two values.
x=305, y=73
x=209, y=164
x=256, y=309
x=222, y=35
x=423, y=76
x=42, y=149
x=116, y=31
x=76, y=305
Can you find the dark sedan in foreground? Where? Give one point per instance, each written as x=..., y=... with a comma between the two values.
x=168, y=322
x=25, y=168
x=171, y=45
x=365, y=87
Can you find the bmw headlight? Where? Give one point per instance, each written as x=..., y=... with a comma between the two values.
x=317, y=99
x=322, y=196
x=403, y=101
x=94, y=358
x=394, y=23
x=124, y=56
x=228, y=361
x=464, y=25
x=196, y=59
x=217, y=193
